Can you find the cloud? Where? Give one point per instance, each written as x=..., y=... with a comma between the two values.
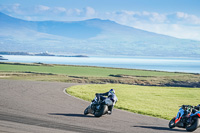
x=60, y=9
x=62, y=12
x=128, y=17
x=50, y=12
x=175, y=30
x=86, y=12
x=188, y=18
x=153, y=17
x=13, y=8
x=40, y=8
x=156, y=17
x=89, y=11
x=178, y=24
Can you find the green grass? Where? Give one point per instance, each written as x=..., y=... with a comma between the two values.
x=98, y=75
x=80, y=70
x=162, y=102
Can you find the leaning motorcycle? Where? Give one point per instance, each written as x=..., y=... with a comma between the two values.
x=98, y=109
x=190, y=120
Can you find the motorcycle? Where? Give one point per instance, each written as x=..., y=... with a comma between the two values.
x=189, y=118
x=98, y=109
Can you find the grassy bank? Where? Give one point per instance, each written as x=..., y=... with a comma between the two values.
x=98, y=75
x=162, y=102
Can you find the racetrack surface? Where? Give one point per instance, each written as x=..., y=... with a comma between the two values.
x=43, y=107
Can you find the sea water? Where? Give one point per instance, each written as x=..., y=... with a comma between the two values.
x=191, y=65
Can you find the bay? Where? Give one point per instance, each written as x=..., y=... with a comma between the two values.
x=191, y=65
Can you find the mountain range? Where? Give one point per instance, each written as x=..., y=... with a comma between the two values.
x=89, y=37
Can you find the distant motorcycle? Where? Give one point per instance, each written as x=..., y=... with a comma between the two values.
x=98, y=109
x=189, y=120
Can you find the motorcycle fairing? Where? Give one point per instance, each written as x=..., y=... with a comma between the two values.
x=197, y=113
x=108, y=102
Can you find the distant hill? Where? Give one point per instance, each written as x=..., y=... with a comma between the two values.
x=89, y=37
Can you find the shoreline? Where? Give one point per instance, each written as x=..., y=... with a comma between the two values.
x=2, y=58
x=39, y=54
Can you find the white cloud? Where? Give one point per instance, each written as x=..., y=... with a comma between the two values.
x=60, y=9
x=181, y=15
x=61, y=12
x=180, y=25
x=14, y=8
x=127, y=17
x=73, y=12
x=42, y=8
x=175, y=30
x=188, y=18
x=89, y=11
x=156, y=17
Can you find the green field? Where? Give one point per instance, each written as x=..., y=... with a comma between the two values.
x=85, y=71
x=98, y=75
x=162, y=102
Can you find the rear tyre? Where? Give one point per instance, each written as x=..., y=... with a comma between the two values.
x=193, y=126
x=103, y=111
x=172, y=123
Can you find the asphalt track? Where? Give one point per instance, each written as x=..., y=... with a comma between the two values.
x=43, y=107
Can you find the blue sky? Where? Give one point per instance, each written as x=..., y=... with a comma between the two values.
x=178, y=18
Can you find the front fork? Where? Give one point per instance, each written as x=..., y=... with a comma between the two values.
x=94, y=108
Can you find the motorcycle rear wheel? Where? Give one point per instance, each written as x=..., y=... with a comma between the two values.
x=103, y=111
x=193, y=126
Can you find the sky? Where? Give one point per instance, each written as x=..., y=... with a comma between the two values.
x=177, y=18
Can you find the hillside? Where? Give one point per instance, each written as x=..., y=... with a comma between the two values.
x=89, y=37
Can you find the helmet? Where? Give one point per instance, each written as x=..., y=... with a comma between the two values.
x=183, y=107
x=112, y=91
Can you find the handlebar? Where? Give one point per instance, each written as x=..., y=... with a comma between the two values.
x=187, y=106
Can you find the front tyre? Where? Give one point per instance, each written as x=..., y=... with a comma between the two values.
x=193, y=126
x=86, y=111
x=172, y=123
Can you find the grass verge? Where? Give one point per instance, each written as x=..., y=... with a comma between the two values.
x=162, y=102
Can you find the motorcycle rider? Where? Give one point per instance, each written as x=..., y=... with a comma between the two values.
x=181, y=113
x=111, y=95
x=197, y=107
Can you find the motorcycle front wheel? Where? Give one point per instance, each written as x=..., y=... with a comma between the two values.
x=86, y=111
x=172, y=123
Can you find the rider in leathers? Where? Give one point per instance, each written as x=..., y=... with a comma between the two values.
x=183, y=112
x=111, y=95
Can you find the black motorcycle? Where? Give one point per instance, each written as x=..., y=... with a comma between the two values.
x=189, y=120
x=98, y=108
